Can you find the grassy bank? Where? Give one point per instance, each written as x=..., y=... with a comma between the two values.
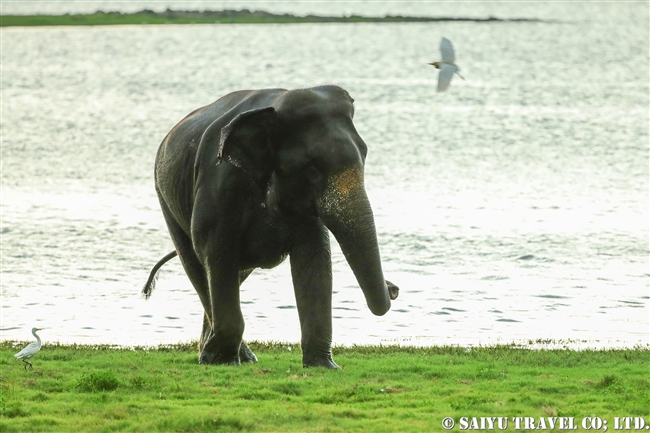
x=205, y=17
x=99, y=389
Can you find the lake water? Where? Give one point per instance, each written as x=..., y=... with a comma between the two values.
x=513, y=207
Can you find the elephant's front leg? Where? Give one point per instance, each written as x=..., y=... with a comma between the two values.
x=245, y=354
x=311, y=270
x=222, y=346
x=215, y=244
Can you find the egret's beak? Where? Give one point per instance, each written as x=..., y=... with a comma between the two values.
x=434, y=64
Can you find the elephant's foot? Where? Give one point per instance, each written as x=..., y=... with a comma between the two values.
x=212, y=355
x=215, y=351
x=245, y=354
x=326, y=361
x=217, y=359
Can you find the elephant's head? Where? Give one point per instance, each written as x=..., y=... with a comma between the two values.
x=305, y=153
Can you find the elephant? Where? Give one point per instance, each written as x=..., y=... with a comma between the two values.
x=252, y=178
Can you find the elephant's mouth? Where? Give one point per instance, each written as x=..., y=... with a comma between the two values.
x=294, y=200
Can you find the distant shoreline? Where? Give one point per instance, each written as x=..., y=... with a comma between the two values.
x=243, y=16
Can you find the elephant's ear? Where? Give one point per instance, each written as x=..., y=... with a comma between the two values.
x=246, y=142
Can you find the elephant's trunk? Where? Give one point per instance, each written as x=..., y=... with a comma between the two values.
x=345, y=210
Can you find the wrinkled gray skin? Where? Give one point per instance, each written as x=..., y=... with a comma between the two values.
x=254, y=177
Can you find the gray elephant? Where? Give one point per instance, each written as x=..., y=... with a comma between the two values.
x=255, y=177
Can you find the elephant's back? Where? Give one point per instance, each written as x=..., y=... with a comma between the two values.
x=188, y=132
x=176, y=157
x=193, y=125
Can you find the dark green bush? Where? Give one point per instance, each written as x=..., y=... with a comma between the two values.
x=97, y=381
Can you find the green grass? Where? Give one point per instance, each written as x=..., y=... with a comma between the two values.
x=206, y=17
x=379, y=389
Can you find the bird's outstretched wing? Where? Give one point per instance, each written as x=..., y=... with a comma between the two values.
x=444, y=78
x=447, y=51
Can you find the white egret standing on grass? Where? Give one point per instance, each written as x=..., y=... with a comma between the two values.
x=447, y=66
x=31, y=350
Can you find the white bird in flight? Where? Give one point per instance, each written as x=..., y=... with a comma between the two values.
x=446, y=65
x=31, y=350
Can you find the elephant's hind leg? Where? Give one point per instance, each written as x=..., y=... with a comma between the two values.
x=190, y=262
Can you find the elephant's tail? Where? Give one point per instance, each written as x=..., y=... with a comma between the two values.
x=153, y=276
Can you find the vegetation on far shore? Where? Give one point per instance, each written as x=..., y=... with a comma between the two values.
x=379, y=389
x=244, y=16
